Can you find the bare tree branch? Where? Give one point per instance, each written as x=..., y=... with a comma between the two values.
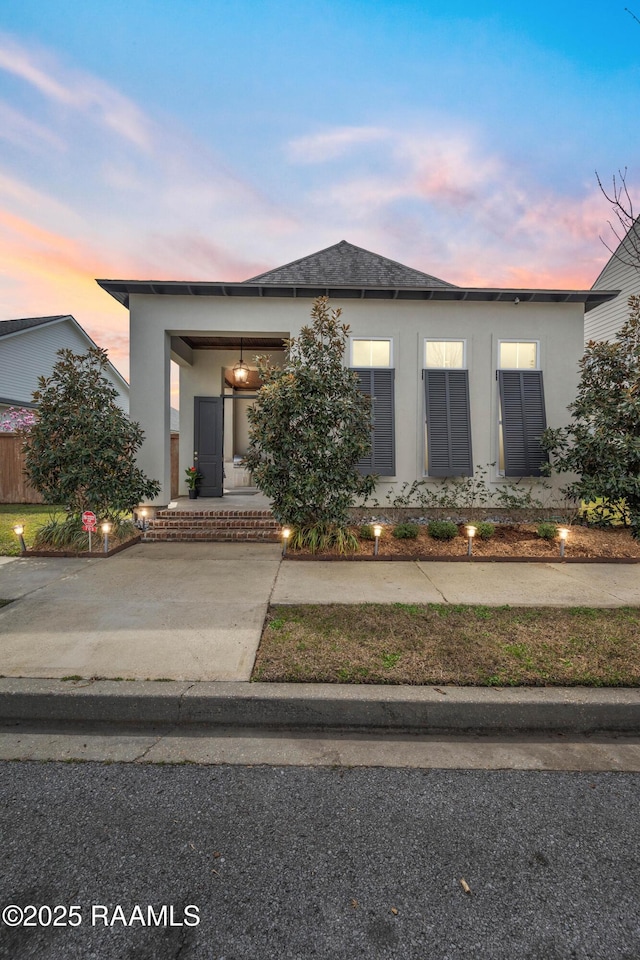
x=625, y=231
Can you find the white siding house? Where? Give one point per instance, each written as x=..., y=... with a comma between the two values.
x=28, y=350
x=622, y=272
x=458, y=376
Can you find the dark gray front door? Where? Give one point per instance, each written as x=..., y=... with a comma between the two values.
x=208, y=449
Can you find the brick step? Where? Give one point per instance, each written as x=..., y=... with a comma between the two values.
x=213, y=514
x=228, y=523
x=213, y=534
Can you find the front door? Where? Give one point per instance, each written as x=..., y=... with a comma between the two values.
x=208, y=448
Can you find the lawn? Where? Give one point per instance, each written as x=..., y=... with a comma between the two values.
x=30, y=515
x=450, y=644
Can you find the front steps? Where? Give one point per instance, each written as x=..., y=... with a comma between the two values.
x=249, y=526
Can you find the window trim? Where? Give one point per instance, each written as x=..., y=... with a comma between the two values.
x=389, y=340
x=519, y=340
x=462, y=340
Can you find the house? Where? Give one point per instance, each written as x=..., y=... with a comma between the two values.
x=28, y=350
x=621, y=272
x=460, y=376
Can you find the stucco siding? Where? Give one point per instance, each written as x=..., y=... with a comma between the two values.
x=559, y=328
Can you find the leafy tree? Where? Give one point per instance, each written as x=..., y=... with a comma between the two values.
x=602, y=443
x=308, y=428
x=81, y=450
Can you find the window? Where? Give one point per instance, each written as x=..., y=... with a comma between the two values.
x=447, y=410
x=371, y=360
x=444, y=354
x=522, y=410
x=518, y=355
x=371, y=353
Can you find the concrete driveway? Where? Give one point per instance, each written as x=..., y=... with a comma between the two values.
x=189, y=611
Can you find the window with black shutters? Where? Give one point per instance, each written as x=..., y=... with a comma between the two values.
x=378, y=383
x=448, y=423
x=522, y=421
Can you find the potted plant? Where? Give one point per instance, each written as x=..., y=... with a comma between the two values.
x=192, y=481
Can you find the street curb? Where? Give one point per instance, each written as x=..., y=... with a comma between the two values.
x=425, y=710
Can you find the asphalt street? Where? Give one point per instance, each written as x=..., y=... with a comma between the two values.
x=317, y=862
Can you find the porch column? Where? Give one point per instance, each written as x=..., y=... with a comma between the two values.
x=150, y=393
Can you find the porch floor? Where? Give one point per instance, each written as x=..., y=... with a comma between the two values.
x=230, y=501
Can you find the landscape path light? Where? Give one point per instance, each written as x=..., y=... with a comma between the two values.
x=563, y=533
x=19, y=532
x=377, y=533
x=106, y=527
x=286, y=533
x=143, y=517
x=471, y=532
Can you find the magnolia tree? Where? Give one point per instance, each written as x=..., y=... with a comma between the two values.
x=81, y=450
x=602, y=443
x=308, y=429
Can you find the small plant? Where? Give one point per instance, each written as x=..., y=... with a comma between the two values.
x=67, y=533
x=366, y=532
x=443, y=529
x=193, y=477
x=389, y=660
x=485, y=530
x=323, y=536
x=406, y=531
x=547, y=530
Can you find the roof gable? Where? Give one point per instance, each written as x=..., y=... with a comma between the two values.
x=345, y=264
x=8, y=327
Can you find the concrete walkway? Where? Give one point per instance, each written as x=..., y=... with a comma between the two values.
x=493, y=584
x=194, y=611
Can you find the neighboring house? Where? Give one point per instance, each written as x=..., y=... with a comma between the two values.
x=28, y=350
x=459, y=376
x=621, y=272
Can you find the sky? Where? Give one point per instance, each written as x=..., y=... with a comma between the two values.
x=209, y=140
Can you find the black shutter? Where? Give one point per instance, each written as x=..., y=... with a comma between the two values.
x=523, y=421
x=379, y=385
x=448, y=423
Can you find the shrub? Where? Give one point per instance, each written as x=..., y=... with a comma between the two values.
x=309, y=427
x=443, y=529
x=406, y=531
x=366, y=532
x=547, y=530
x=485, y=530
x=81, y=450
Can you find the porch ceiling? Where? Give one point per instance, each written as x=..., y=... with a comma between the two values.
x=227, y=343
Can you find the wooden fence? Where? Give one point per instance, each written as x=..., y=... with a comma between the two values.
x=15, y=489
x=13, y=486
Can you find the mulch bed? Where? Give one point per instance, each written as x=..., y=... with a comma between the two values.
x=83, y=554
x=509, y=542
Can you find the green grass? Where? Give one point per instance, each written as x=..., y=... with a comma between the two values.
x=450, y=643
x=30, y=515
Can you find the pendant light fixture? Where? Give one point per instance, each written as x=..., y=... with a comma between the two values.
x=240, y=370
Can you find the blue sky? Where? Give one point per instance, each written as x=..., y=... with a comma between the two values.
x=213, y=140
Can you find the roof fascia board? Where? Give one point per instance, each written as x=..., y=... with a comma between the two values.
x=122, y=290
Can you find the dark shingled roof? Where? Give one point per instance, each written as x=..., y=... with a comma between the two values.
x=15, y=326
x=345, y=264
